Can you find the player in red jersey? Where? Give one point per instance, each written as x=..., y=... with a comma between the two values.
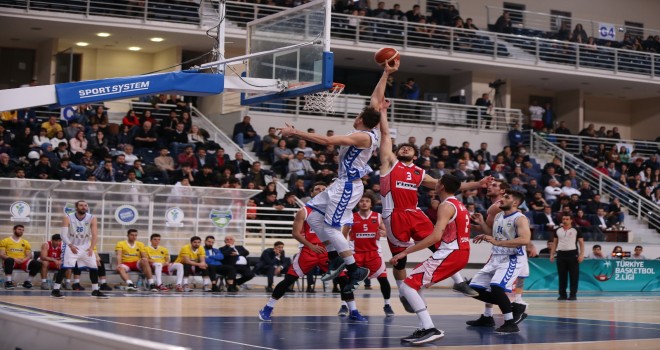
x=399, y=181
x=50, y=258
x=312, y=254
x=451, y=236
x=363, y=238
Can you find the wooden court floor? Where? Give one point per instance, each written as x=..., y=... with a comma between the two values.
x=309, y=321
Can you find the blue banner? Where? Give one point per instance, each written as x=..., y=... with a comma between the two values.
x=179, y=83
x=611, y=275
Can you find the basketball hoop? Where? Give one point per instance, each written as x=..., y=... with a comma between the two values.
x=323, y=101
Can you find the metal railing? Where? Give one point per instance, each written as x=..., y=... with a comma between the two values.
x=573, y=144
x=637, y=205
x=265, y=225
x=550, y=24
x=407, y=111
x=528, y=49
x=200, y=211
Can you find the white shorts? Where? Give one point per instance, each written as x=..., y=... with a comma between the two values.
x=500, y=270
x=337, y=202
x=69, y=259
x=524, y=272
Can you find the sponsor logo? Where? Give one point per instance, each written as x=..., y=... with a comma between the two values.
x=69, y=208
x=174, y=217
x=406, y=185
x=220, y=218
x=113, y=89
x=622, y=270
x=417, y=172
x=126, y=215
x=20, y=211
x=365, y=235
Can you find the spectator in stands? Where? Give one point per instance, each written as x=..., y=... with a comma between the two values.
x=637, y=255
x=498, y=172
x=536, y=115
x=592, y=206
x=568, y=189
x=257, y=175
x=98, y=115
x=131, y=177
x=63, y=170
x=515, y=136
x=548, y=248
x=239, y=165
x=79, y=143
x=462, y=173
x=486, y=110
x=120, y=168
x=299, y=168
x=596, y=252
x=601, y=220
x=187, y=157
x=552, y=191
x=165, y=163
x=483, y=151
x=203, y=158
x=562, y=129
x=130, y=119
x=245, y=133
x=308, y=152
x=579, y=35
x=410, y=88
x=546, y=221
x=132, y=256
x=59, y=137
x=206, y=177
x=51, y=126
x=281, y=156
x=193, y=258
x=624, y=155
x=197, y=137
x=589, y=131
x=184, y=172
x=273, y=262
x=41, y=139
x=214, y=259
x=146, y=137
x=586, y=228
x=612, y=171
x=503, y=23
x=615, y=133
x=587, y=155
x=469, y=24
x=269, y=143
x=105, y=173
x=178, y=139
x=99, y=144
x=235, y=255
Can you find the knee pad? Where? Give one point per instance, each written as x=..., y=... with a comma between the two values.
x=401, y=264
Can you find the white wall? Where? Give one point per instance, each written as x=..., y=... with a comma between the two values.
x=645, y=120
x=609, y=112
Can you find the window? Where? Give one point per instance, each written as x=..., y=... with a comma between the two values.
x=515, y=11
x=558, y=18
x=635, y=28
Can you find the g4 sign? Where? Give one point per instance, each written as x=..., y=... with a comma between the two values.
x=606, y=31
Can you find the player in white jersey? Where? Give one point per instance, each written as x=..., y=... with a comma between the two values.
x=509, y=236
x=337, y=201
x=79, y=235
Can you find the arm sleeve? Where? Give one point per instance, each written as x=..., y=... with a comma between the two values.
x=65, y=235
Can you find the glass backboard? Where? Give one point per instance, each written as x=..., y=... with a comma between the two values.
x=306, y=69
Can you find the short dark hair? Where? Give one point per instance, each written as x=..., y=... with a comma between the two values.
x=638, y=247
x=408, y=144
x=131, y=230
x=211, y=237
x=154, y=235
x=370, y=117
x=371, y=198
x=17, y=226
x=451, y=183
x=56, y=237
x=517, y=195
x=503, y=184
x=596, y=246
x=278, y=243
x=195, y=238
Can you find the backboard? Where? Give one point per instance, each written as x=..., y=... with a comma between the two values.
x=306, y=69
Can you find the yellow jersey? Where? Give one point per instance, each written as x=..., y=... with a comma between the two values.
x=128, y=253
x=16, y=250
x=158, y=255
x=193, y=255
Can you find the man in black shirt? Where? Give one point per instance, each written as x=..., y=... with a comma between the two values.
x=245, y=133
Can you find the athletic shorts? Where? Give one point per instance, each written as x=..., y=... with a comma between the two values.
x=441, y=265
x=131, y=266
x=306, y=261
x=524, y=272
x=22, y=266
x=166, y=268
x=337, y=202
x=69, y=259
x=500, y=270
x=404, y=225
x=373, y=261
x=52, y=266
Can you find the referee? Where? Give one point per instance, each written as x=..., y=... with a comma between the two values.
x=568, y=257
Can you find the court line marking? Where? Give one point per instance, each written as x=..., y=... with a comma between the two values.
x=145, y=327
x=594, y=324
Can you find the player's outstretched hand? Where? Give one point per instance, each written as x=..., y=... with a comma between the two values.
x=395, y=259
x=477, y=217
x=485, y=182
x=480, y=238
x=287, y=130
x=391, y=69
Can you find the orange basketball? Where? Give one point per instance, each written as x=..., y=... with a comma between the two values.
x=387, y=55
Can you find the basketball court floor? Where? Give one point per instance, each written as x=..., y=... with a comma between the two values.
x=309, y=321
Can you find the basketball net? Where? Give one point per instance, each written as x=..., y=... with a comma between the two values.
x=323, y=101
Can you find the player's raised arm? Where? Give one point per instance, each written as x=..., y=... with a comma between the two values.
x=358, y=139
x=378, y=96
x=387, y=157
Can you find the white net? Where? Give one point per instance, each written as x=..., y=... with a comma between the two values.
x=323, y=101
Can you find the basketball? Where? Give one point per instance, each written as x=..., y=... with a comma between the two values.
x=387, y=55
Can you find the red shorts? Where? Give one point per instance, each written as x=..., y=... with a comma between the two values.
x=537, y=124
x=403, y=225
x=441, y=265
x=132, y=266
x=306, y=261
x=22, y=266
x=165, y=270
x=373, y=261
x=52, y=266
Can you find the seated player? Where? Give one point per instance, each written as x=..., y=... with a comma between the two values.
x=159, y=260
x=193, y=259
x=50, y=258
x=132, y=256
x=364, y=235
x=16, y=253
x=312, y=254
